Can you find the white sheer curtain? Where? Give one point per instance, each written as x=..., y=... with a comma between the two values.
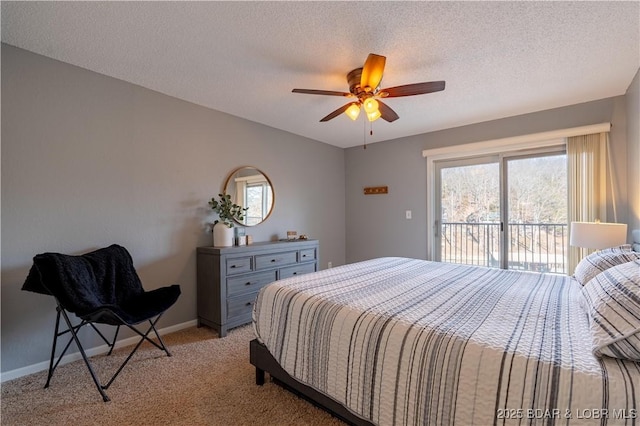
x=587, y=157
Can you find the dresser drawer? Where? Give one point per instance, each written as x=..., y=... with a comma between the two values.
x=239, y=265
x=308, y=254
x=249, y=283
x=265, y=261
x=240, y=306
x=297, y=270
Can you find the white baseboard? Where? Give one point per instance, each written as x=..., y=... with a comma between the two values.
x=34, y=368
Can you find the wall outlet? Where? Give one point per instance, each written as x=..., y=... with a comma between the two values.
x=407, y=214
x=329, y=265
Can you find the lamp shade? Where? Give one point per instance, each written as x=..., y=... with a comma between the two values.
x=597, y=235
x=353, y=111
x=373, y=116
x=370, y=105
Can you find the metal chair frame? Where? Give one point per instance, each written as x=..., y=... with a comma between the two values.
x=73, y=329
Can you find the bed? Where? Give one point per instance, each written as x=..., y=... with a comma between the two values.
x=405, y=341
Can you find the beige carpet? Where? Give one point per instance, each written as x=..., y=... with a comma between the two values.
x=207, y=381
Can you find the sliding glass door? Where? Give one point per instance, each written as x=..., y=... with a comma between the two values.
x=507, y=211
x=537, y=212
x=468, y=203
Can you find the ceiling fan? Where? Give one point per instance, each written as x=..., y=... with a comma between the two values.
x=364, y=87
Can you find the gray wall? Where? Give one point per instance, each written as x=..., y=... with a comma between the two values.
x=88, y=160
x=633, y=148
x=376, y=224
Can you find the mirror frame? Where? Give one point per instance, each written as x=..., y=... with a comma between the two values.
x=273, y=192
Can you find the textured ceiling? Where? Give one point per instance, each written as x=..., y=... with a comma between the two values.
x=498, y=59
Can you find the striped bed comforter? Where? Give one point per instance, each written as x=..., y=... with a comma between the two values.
x=412, y=342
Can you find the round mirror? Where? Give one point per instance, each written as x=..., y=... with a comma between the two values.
x=251, y=188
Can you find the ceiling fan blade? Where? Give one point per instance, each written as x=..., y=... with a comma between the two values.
x=412, y=89
x=321, y=92
x=387, y=113
x=336, y=113
x=372, y=71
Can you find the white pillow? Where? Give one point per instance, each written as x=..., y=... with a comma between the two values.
x=612, y=300
x=602, y=260
x=618, y=249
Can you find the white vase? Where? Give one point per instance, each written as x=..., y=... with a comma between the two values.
x=222, y=235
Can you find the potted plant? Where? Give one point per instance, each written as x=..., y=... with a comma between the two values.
x=228, y=211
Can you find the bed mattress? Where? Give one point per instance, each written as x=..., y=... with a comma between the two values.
x=406, y=341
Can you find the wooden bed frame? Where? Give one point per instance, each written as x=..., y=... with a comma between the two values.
x=261, y=358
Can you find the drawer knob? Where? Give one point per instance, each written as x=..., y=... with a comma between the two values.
x=274, y=260
x=247, y=283
x=249, y=304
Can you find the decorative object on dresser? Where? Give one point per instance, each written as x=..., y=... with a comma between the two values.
x=240, y=236
x=228, y=212
x=229, y=278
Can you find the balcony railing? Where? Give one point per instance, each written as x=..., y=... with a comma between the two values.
x=531, y=247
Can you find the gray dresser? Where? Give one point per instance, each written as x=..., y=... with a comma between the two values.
x=229, y=277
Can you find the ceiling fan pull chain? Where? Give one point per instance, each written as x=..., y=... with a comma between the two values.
x=364, y=133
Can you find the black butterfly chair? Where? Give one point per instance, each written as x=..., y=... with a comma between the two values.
x=100, y=287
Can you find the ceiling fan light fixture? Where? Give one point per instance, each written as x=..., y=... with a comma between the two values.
x=370, y=105
x=353, y=111
x=364, y=87
x=374, y=115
